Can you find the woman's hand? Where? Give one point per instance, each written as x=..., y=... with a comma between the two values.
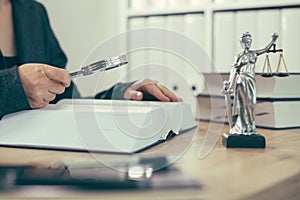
x=139, y=89
x=42, y=83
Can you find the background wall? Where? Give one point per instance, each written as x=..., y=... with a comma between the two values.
x=80, y=26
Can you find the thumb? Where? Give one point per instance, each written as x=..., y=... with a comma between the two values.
x=58, y=75
x=135, y=95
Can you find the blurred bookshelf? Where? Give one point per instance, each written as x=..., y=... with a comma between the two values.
x=222, y=21
x=215, y=25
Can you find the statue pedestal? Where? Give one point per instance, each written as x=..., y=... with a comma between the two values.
x=243, y=141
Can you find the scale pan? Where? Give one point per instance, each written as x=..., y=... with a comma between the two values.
x=267, y=75
x=282, y=74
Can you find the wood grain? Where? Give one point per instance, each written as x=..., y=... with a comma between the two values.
x=271, y=173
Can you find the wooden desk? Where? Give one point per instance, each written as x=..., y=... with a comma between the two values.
x=271, y=173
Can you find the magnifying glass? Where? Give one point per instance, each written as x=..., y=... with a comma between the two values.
x=100, y=66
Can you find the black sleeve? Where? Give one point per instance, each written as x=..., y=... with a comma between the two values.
x=12, y=95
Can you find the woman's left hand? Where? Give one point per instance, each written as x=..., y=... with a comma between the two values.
x=139, y=89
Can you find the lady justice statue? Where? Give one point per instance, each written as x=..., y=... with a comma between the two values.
x=241, y=82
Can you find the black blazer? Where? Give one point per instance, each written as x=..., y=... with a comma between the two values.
x=36, y=43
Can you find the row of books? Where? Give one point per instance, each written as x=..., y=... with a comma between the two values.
x=278, y=101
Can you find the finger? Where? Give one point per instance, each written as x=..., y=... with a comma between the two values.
x=135, y=95
x=168, y=93
x=45, y=100
x=56, y=88
x=49, y=97
x=57, y=74
x=37, y=104
x=143, y=83
x=154, y=90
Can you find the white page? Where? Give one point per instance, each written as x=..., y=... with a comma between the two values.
x=94, y=125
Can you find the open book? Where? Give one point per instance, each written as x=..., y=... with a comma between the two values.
x=96, y=125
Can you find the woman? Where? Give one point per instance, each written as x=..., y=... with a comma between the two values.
x=32, y=63
x=243, y=74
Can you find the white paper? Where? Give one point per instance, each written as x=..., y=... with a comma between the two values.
x=95, y=125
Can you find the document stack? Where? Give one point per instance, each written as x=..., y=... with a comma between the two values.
x=277, y=106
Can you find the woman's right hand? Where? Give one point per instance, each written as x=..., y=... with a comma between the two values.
x=42, y=83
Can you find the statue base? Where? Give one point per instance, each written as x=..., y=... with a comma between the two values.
x=243, y=141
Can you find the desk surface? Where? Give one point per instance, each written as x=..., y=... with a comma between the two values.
x=271, y=173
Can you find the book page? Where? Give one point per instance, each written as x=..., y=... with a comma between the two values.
x=95, y=125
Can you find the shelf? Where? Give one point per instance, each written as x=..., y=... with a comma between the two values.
x=255, y=6
x=214, y=7
x=164, y=12
x=230, y=15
